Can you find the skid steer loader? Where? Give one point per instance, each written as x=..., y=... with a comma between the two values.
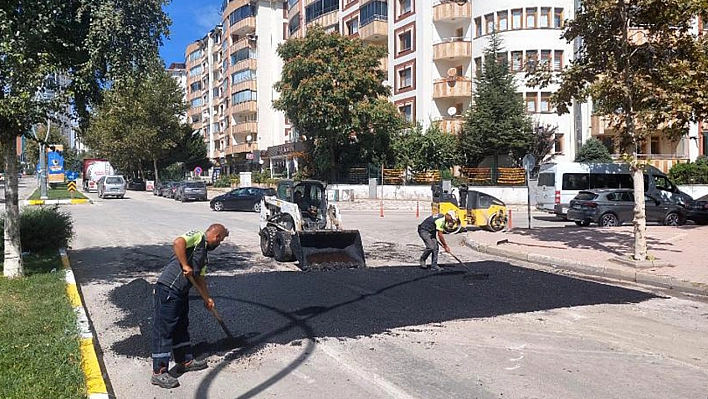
x=299, y=224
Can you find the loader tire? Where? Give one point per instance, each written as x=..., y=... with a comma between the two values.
x=267, y=239
x=282, y=251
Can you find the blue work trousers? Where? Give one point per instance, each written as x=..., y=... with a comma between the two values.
x=170, y=328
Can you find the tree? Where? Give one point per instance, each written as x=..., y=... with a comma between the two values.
x=496, y=123
x=418, y=151
x=542, y=142
x=91, y=43
x=331, y=92
x=140, y=121
x=644, y=70
x=593, y=151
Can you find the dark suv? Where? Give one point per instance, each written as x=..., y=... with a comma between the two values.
x=191, y=190
x=612, y=207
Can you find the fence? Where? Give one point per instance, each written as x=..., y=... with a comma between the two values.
x=494, y=176
x=486, y=176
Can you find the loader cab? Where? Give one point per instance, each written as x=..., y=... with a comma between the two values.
x=310, y=196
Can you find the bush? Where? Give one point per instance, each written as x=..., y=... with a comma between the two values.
x=43, y=229
x=226, y=181
x=690, y=173
x=593, y=151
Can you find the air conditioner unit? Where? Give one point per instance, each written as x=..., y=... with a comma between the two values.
x=252, y=37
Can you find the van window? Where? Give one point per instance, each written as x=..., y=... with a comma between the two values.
x=662, y=183
x=114, y=180
x=547, y=179
x=575, y=181
x=607, y=180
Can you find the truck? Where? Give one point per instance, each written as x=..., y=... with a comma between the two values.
x=298, y=224
x=93, y=169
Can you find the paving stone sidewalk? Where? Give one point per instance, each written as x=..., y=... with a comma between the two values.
x=680, y=253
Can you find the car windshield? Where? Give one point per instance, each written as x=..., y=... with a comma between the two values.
x=114, y=180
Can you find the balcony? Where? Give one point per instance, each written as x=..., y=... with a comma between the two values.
x=246, y=25
x=245, y=85
x=325, y=20
x=240, y=44
x=243, y=128
x=452, y=11
x=375, y=31
x=246, y=107
x=457, y=87
x=249, y=63
x=245, y=147
x=450, y=124
x=453, y=48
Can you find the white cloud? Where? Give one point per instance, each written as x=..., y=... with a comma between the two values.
x=207, y=17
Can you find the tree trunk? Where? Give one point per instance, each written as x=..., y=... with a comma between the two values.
x=154, y=166
x=12, y=266
x=640, y=219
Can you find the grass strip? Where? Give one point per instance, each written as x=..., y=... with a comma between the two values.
x=59, y=192
x=39, y=352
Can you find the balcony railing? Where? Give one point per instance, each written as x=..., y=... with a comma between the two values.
x=246, y=107
x=328, y=19
x=456, y=87
x=244, y=128
x=450, y=124
x=244, y=85
x=452, y=11
x=452, y=48
x=243, y=26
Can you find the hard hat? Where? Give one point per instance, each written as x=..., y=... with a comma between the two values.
x=452, y=214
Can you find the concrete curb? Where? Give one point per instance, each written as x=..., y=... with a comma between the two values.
x=95, y=384
x=76, y=201
x=634, y=276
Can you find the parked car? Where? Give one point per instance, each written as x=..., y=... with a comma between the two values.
x=698, y=210
x=241, y=199
x=612, y=207
x=111, y=186
x=191, y=190
x=168, y=189
x=157, y=187
x=136, y=184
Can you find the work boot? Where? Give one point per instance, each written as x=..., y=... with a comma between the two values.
x=164, y=380
x=435, y=268
x=422, y=263
x=192, y=365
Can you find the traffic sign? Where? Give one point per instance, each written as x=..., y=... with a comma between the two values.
x=529, y=162
x=72, y=175
x=198, y=171
x=71, y=186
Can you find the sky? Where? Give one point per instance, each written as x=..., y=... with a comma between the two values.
x=191, y=20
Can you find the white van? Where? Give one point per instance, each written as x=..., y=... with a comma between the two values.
x=558, y=183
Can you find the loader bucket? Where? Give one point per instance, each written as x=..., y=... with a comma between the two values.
x=328, y=249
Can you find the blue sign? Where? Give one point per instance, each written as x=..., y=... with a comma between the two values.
x=198, y=171
x=55, y=167
x=216, y=174
x=71, y=175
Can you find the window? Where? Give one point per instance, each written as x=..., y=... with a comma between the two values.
x=546, y=58
x=197, y=102
x=320, y=8
x=242, y=54
x=516, y=19
x=502, y=18
x=197, y=70
x=545, y=102
x=654, y=146
x=294, y=24
x=478, y=27
x=404, y=7
x=517, y=63
x=242, y=76
x=530, y=18
x=243, y=96
x=478, y=66
x=405, y=41
x=242, y=13
x=405, y=77
x=558, y=18
x=292, y=3
x=531, y=102
x=407, y=111
x=373, y=11
x=575, y=181
x=194, y=55
x=558, y=143
x=531, y=59
x=489, y=23
x=545, y=20
x=196, y=86
x=353, y=26
x=558, y=60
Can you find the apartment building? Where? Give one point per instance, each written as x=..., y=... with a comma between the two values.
x=230, y=74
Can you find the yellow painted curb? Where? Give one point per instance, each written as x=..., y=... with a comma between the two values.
x=79, y=201
x=36, y=202
x=95, y=385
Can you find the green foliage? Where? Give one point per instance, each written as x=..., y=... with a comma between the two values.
x=331, y=91
x=542, y=142
x=690, y=173
x=593, y=151
x=497, y=123
x=43, y=229
x=432, y=150
x=39, y=327
x=226, y=181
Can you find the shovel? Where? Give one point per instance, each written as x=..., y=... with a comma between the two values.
x=470, y=274
x=213, y=310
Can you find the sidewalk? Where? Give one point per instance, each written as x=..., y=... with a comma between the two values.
x=680, y=253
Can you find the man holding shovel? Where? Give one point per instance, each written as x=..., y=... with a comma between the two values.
x=430, y=231
x=187, y=266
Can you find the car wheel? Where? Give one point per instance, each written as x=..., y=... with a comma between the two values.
x=257, y=207
x=673, y=219
x=609, y=220
x=583, y=223
x=267, y=238
x=282, y=251
x=218, y=206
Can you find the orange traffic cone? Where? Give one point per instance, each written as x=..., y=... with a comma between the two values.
x=381, y=213
x=417, y=210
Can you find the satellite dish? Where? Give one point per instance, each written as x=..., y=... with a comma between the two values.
x=452, y=72
x=249, y=138
x=452, y=111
